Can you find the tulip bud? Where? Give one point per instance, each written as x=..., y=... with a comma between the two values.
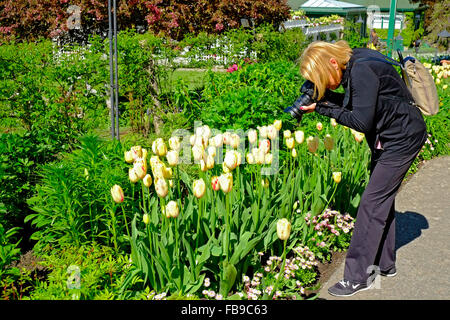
x=294, y=153
x=192, y=139
x=328, y=142
x=132, y=175
x=337, y=176
x=226, y=182
x=268, y=158
x=272, y=133
x=209, y=162
x=170, y=183
x=147, y=180
x=117, y=194
x=260, y=157
x=312, y=143
x=140, y=167
x=161, y=187
x=212, y=151
x=198, y=152
x=287, y=134
x=227, y=138
x=333, y=122
x=128, y=155
x=252, y=136
x=359, y=136
x=158, y=170
x=277, y=124
x=290, y=142
x=231, y=160
x=167, y=173
x=203, y=166
x=225, y=168
x=146, y=218
x=218, y=140
x=199, y=188
x=299, y=136
x=319, y=126
x=262, y=132
x=86, y=174
x=174, y=143
x=136, y=152
x=265, y=183
x=171, y=210
x=215, y=183
x=161, y=149
x=235, y=141
x=172, y=158
x=283, y=229
x=264, y=145
x=206, y=131
x=250, y=158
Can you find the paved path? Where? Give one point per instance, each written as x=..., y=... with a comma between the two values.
x=423, y=241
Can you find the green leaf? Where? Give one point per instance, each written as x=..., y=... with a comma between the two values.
x=228, y=277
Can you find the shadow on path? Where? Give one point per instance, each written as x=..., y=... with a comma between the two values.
x=408, y=227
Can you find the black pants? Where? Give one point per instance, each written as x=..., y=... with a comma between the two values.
x=373, y=241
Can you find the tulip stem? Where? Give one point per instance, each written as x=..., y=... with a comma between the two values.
x=280, y=274
x=329, y=200
x=126, y=222
x=199, y=204
x=113, y=222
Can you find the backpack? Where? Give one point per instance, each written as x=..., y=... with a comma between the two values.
x=418, y=80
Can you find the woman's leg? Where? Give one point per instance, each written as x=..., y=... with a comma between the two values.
x=375, y=214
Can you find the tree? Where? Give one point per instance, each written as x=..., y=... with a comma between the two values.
x=31, y=19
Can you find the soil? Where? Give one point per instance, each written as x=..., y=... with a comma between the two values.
x=326, y=270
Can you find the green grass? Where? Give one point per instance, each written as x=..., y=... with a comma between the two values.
x=194, y=79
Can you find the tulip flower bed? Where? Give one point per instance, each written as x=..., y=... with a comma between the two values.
x=261, y=212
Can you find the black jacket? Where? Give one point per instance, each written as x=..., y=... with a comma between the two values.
x=376, y=103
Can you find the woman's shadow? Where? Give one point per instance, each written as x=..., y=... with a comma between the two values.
x=408, y=227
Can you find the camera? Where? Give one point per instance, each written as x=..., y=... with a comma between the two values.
x=305, y=99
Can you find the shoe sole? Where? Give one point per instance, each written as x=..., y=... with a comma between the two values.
x=389, y=274
x=351, y=294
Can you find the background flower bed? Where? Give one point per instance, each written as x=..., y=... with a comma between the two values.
x=35, y=87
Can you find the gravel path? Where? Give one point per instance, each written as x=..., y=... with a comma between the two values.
x=423, y=241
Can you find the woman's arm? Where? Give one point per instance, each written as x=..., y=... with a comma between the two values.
x=364, y=91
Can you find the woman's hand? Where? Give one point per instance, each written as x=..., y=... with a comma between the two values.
x=309, y=109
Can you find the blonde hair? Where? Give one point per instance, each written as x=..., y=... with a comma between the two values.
x=315, y=63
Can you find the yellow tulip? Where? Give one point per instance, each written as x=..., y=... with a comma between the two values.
x=333, y=122
x=287, y=134
x=140, y=167
x=198, y=152
x=272, y=132
x=136, y=152
x=268, y=158
x=147, y=180
x=226, y=182
x=161, y=187
x=128, y=156
x=172, y=158
x=212, y=151
x=264, y=145
x=172, y=210
x=283, y=229
x=252, y=136
x=299, y=136
x=262, y=132
x=290, y=142
x=146, y=218
x=167, y=173
x=199, y=188
x=337, y=176
x=294, y=153
x=218, y=140
x=265, y=183
x=209, y=162
x=250, y=158
x=117, y=194
x=174, y=143
x=277, y=124
x=231, y=159
x=235, y=141
x=132, y=175
x=161, y=149
x=319, y=126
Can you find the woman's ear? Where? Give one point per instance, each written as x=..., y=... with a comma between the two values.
x=334, y=63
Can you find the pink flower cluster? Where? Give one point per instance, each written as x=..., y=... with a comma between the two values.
x=233, y=68
x=331, y=221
